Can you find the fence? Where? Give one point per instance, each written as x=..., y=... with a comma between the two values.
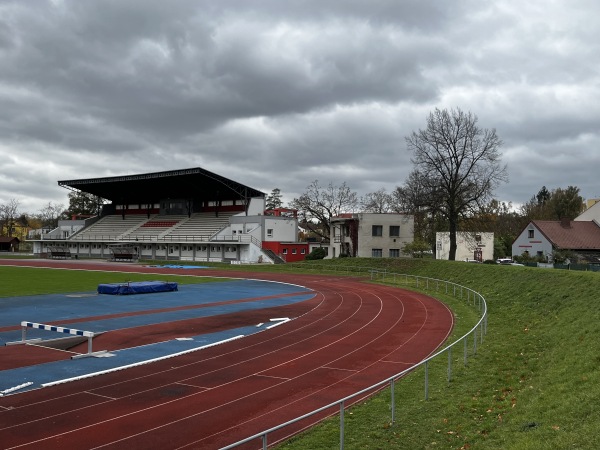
x=475, y=334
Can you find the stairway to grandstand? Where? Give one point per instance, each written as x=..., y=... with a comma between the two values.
x=271, y=254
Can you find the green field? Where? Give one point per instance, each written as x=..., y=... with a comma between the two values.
x=17, y=281
x=534, y=383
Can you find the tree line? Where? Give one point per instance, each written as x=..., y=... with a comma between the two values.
x=13, y=220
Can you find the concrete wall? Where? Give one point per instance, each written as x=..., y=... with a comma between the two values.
x=466, y=244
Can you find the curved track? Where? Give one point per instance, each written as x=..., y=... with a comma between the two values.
x=349, y=336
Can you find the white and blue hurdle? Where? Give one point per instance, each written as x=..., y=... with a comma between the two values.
x=72, y=331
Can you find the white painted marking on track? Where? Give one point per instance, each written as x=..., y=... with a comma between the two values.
x=271, y=376
x=339, y=368
x=100, y=395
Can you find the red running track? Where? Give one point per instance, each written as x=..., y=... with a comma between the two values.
x=350, y=336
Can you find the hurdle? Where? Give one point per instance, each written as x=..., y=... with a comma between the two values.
x=72, y=331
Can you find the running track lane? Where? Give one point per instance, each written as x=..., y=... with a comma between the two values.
x=359, y=334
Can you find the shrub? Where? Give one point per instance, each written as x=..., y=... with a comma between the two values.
x=317, y=253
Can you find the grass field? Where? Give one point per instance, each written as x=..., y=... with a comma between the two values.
x=17, y=281
x=534, y=383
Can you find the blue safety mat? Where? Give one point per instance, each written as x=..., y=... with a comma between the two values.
x=137, y=287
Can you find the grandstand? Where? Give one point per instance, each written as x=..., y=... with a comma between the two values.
x=188, y=215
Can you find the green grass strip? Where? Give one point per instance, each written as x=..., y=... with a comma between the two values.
x=19, y=281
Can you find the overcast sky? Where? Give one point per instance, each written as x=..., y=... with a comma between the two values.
x=274, y=93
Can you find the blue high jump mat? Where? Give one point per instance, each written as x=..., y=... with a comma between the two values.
x=137, y=287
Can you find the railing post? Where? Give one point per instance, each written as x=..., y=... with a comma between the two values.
x=475, y=341
x=449, y=364
x=485, y=322
x=393, y=400
x=465, y=357
x=426, y=380
x=481, y=334
x=264, y=441
x=342, y=425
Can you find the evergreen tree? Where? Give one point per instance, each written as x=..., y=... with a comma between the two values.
x=273, y=200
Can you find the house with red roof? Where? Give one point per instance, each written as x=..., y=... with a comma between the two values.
x=541, y=238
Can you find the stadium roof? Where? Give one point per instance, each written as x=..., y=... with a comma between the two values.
x=195, y=183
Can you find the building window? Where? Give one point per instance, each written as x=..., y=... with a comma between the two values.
x=394, y=253
x=293, y=251
x=285, y=251
x=377, y=230
x=303, y=251
x=269, y=232
x=394, y=230
x=530, y=234
x=377, y=253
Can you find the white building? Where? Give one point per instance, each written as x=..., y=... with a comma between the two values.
x=541, y=238
x=469, y=246
x=591, y=213
x=370, y=235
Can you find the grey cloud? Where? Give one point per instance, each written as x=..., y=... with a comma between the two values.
x=297, y=90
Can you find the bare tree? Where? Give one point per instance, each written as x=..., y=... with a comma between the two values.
x=461, y=159
x=319, y=204
x=50, y=214
x=377, y=202
x=9, y=214
x=420, y=197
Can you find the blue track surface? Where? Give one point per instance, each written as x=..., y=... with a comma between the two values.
x=57, y=307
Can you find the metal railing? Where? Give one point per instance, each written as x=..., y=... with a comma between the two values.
x=132, y=238
x=474, y=334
